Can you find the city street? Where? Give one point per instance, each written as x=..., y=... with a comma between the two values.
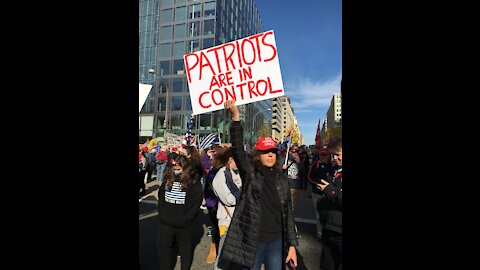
x=308, y=252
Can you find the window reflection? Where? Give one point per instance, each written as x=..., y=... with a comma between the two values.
x=178, y=67
x=167, y=15
x=209, y=8
x=177, y=85
x=179, y=48
x=194, y=11
x=176, y=104
x=194, y=46
x=194, y=29
x=208, y=27
x=165, y=49
x=207, y=43
x=180, y=30
x=180, y=13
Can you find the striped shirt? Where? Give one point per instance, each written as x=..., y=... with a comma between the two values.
x=176, y=195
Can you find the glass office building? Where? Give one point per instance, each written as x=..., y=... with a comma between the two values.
x=168, y=29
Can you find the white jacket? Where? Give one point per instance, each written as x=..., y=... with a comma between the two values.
x=226, y=197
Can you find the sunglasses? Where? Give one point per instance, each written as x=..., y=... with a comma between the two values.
x=273, y=150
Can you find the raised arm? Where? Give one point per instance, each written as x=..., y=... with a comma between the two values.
x=236, y=133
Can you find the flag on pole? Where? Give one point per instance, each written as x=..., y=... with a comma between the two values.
x=208, y=140
x=188, y=136
x=318, y=139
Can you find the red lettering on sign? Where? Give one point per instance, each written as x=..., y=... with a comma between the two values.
x=187, y=65
x=229, y=57
x=271, y=88
x=251, y=86
x=200, y=101
x=265, y=88
x=241, y=88
x=203, y=56
x=269, y=45
x=213, y=97
x=243, y=51
x=231, y=94
x=255, y=37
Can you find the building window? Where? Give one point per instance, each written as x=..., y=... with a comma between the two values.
x=194, y=46
x=176, y=104
x=162, y=104
x=205, y=121
x=178, y=67
x=179, y=48
x=180, y=1
x=180, y=30
x=167, y=2
x=166, y=32
x=194, y=29
x=180, y=13
x=188, y=103
x=167, y=15
x=208, y=27
x=177, y=85
x=207, y=43
x=163, y=86
x=164, y=68
x=176, y=121
x=165, y=50
x=194, y=11
x=209, y=9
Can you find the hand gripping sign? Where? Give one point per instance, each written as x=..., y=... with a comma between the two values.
x=246, y=70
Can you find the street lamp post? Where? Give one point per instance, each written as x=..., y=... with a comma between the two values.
x=155, y=84
x=254, y=117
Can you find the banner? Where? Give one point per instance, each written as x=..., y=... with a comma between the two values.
x=246, y=70
x=144, y=90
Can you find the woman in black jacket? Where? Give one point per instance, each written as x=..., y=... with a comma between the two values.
x=262, y=227
x=179, y=200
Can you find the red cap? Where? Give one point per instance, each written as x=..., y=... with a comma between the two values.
x=265, y=143
x=145, y=148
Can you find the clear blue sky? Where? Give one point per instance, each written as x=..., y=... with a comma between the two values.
x=308, y=34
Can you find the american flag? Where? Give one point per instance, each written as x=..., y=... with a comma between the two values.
x=318, y=139
x=208, y=140
x=187, y=140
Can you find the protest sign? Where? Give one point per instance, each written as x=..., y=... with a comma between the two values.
x=144, y=90
x=246, y=70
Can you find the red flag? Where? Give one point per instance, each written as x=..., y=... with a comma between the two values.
x=318, y=139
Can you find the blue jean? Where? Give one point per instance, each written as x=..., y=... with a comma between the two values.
x=160, y=169
x=269, y=253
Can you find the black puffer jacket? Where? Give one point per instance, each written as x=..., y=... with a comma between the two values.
x=243, y=234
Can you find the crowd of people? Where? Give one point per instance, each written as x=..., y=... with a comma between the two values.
x=250, y=199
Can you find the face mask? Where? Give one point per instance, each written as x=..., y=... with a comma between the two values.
x=177, y=172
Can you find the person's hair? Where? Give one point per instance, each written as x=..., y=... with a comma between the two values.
x=256, y=159
x=335, y=144
x=188, y=175
x=192, y=151
x=204, y=152
x=223, y=157
x=216, y=162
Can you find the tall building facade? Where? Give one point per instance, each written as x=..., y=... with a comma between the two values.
x=283, y=118
x=334, y=113
x=168, y=29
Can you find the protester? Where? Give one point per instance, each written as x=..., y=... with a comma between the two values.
x=331, y=212
x=295, y=172
x=321, y=169
x=161, y=158
x=227, y=186
x=142, y=170
x=262, y=229
x=211, y=202
x=305, y=160
x=180, y=196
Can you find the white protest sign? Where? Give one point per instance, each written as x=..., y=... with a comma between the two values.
x=144, y=90
x=246, y=70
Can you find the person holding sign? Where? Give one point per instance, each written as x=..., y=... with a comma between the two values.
x=262, y=228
